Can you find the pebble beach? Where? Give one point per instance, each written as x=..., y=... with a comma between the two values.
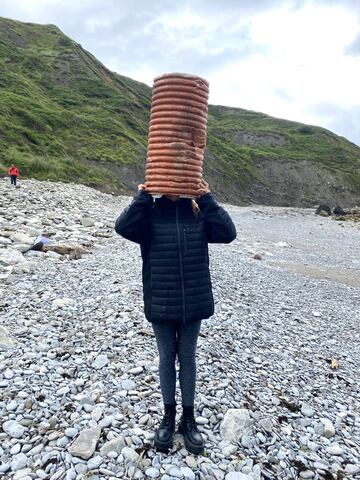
x=278, y=390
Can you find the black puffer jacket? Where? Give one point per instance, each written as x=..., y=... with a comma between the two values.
x=174, y=249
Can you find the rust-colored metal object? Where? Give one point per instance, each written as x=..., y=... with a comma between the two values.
x=177, y=134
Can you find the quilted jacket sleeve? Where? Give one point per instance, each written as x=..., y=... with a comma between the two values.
x=220, y=227
x=133, y=223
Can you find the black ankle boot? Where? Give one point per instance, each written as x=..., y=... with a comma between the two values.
x=187, y=427
x=164, y=435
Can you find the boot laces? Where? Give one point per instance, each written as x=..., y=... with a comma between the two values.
x=190, y=423
x=167, y=419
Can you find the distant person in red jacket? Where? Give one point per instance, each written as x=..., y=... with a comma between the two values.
x=14, y=173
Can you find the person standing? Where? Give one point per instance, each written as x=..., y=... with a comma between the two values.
x=14, y=173
x=173, y=234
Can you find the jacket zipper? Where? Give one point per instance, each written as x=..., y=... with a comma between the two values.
x=181, y=263
x=185, y=240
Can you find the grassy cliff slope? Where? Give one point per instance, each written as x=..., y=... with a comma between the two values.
x=65, y=116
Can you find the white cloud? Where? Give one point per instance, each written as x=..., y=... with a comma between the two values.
x=304, y=59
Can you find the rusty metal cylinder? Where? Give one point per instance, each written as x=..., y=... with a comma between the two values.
x=177, y=134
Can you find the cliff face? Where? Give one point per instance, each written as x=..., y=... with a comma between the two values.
x=65, y=116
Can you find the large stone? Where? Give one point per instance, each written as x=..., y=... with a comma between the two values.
x=229, y=450
x=23, y=267
x=21, y=247
x=63, y=302
x=307, y=474
x=351, y=469
x=188, y=473
x=128, y=384
x=35, y=254
x=100, y=362
x=152, y=473
x=71, y=432
x=87, y=222
x=335, y=449
x=11, y=256
x=307, y=410
x=19, y=461
x=85, y=444
x=4, y=467
x=235, y=424
x=55, y=255
x=191, y=462
x=95, y=462
x=266, y=424
x=22, y=238
x=329, y=429
x=4, y=241
x=5, y=339
x=6, y=233
x=13, y=429
x=114, y=445
x=238, y=476
x=175, y=472
x=130, y=454
x=23, y=474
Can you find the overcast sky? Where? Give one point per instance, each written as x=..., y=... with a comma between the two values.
x=293, y=59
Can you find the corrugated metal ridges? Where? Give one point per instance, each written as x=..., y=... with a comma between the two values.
x=177, y=134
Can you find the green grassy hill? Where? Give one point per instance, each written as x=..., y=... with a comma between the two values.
x=65, y=116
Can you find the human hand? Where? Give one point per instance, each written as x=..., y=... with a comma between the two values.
x=142, y=186
x=203, y=187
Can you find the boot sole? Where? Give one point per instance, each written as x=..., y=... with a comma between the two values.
x=163, y=446
x=193, y=448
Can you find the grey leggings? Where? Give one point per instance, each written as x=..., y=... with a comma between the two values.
x=177, y=339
